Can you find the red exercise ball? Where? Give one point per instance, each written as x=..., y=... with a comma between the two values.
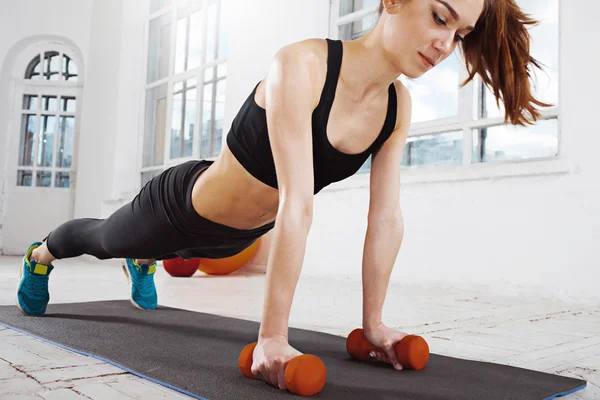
x=180, y=267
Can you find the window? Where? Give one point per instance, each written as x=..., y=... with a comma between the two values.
x=56, y=67
x=186, y=77
x=464, y=126
x=47, y=122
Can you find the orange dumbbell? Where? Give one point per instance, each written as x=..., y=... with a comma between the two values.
x=304, y=375
x=412, y=351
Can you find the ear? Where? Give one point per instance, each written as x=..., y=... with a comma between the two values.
x=392, y=6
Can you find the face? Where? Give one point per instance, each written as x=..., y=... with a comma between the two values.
x=419, y=34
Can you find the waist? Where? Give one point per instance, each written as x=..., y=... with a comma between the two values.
x=228, y=195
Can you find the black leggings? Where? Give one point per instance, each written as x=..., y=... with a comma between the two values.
x=160, y=223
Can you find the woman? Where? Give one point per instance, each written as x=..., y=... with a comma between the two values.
x=328, y=105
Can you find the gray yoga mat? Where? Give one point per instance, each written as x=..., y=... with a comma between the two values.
x=196, y=353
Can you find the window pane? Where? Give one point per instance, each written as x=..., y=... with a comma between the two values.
x=69, y=69
x=62, y=180
x=158, y=48
x=30, y=102
x=223, y=48
x=66, y=132
x=154, y=126
x=209, y=74
x=24, y=178
x=156, y=5
x=195, y=40
x=46, y=145
x=68, y=104
x=544, y=46
x=28, y=132
x=206, y=121
x=219, y=117
x=183, y=119
x=356, y=29
x=43, y=178
x=176, y=126
x=51, y=66
x=189, y=119
x=180, y=45
x=188, y=42
x=510, y=142
x=211, y=33
x=222, y=70
x=435, y=94
x=34, y=70
x=49, y=103
x=350, y=6
x=433, y=150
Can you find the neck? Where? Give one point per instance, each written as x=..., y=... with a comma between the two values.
x=365, y=68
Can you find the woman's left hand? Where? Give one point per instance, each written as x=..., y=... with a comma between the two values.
x=385, y=338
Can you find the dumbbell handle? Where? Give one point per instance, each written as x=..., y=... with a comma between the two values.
x=412, y=351
x=305, y=375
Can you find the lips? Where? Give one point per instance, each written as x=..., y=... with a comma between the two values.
x=428, y=60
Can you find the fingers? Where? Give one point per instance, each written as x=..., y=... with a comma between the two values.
x=273, y=374
x=393, y=358
x=273, y=380
x=281, y=378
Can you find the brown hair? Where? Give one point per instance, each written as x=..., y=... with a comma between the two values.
x=498, y=50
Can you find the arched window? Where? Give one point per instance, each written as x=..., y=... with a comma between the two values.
x=56, y=67
x=48, y=116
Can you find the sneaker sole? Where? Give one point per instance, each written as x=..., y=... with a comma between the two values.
x=17, y=293
x=126, y=271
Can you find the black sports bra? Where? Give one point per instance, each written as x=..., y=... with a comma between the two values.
x=248, y=138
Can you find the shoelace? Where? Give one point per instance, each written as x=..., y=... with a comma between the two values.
x=146, y=283
x=37, y=286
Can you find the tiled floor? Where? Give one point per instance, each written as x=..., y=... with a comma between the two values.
x=472, y=323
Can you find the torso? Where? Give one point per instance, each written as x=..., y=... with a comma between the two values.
x=227, y=194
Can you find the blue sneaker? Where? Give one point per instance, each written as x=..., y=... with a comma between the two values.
x=141, y=278
x=32, y=293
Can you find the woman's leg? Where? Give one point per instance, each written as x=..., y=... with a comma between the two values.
x=151, y=226
x=146, y=228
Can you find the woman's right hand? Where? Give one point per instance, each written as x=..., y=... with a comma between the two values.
x=270, y=358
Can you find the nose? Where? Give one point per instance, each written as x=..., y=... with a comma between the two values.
x=444, y=43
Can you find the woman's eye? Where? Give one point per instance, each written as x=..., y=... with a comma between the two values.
x=438, y=20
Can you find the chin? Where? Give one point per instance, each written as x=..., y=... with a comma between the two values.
x=414, y=74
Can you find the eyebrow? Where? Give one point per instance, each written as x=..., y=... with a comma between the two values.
x=454, y=14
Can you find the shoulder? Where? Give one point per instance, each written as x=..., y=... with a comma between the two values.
x=305, y=63
x=404, y=105
x=310, y=51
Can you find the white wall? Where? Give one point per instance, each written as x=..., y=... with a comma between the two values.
x=108, y=148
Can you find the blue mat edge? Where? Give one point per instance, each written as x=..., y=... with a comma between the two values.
x=175, y=388
x=567, y=392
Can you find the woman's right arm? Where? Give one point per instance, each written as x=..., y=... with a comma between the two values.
x=290, y=101
x=291, y=96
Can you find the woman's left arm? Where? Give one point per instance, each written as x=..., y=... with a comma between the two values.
x=385, y=224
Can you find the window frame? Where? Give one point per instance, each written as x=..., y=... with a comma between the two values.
x=466, y=121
